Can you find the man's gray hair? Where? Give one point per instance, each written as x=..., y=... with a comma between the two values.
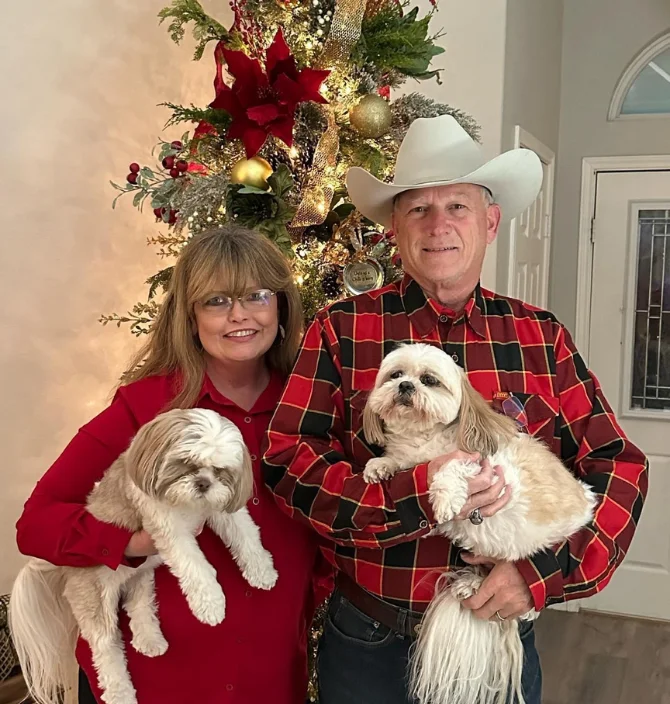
x=488, y=197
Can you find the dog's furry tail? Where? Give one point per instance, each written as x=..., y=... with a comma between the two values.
x=459, y=659
x=44, y=632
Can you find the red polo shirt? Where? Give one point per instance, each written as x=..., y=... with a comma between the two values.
x=258, y=654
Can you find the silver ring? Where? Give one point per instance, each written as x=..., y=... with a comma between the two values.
x=501, y=618
x=476, y=517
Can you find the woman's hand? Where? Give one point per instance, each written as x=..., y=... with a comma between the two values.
x=140, y=544
x=483, y=489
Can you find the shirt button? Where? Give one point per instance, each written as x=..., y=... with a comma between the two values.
x=253, y=458
x=247, y=593
x=229, y=687
x=255, y=501
x=423, y=524
x=444, y=318
x=454, y=357
x=105, y=552
x=247, y=419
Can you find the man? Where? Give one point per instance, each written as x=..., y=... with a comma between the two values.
x=445, y=207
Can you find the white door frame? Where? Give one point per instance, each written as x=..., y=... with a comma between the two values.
x=522, y=138
x=590, y=168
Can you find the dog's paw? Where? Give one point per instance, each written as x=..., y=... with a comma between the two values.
x=150, y=644
x=118, y=692
x=208, y=605
x=449, y=489
x=261, y=573
x=465, y=585
x=377, y=469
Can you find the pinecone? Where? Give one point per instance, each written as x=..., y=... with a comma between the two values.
x=330, y=284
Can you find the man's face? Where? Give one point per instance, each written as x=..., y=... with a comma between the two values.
x=442, y=234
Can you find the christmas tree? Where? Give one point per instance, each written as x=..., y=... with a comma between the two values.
x=301, y=93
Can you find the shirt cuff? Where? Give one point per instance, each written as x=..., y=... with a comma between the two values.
x=112, y=543
x=542, y=574
x=409, y=492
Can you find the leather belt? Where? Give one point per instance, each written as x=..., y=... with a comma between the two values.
x=407, y=623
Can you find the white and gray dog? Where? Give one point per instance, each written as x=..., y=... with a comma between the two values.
x=183, y=469
x=423, y=406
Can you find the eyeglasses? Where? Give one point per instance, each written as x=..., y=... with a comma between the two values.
x=254, y=300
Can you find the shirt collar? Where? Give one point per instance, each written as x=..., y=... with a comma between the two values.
x=267, y=401
x=424, y=312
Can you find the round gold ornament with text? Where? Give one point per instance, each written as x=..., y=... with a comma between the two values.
x=252, y=172
x=362, y=274
x=371, y=118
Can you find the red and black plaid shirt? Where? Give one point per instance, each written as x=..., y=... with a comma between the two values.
x=317, y=450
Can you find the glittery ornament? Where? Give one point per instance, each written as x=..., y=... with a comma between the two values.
x=252, y=172
x=371, y=118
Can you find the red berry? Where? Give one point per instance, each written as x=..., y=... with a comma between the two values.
x=173, y=217
x=168, y=162
x=158, y=212
x=377, y=238
x=131, y=178
x=182, y=165
x=390, y=235
x=176, y=144
x=134, y=167
x=397, y=261
x=175, y=173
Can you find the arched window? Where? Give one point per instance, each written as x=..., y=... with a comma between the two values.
x=644, y=88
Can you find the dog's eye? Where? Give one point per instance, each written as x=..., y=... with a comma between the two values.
x=429, y=380
x=396, y=374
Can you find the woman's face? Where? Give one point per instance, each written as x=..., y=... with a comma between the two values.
x=237, y=330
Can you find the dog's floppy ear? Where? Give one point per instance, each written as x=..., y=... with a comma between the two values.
x=372, y=426
x=243, y=483
x=480, y=428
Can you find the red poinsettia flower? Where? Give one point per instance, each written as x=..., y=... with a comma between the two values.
x=264, y=103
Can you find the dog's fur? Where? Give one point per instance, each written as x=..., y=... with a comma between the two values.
x=422, y=406
x=182, y=469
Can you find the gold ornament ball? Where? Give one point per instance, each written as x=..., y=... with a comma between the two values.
x=371, y=117
x=252, y=172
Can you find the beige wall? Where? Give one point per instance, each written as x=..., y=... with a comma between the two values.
x=600, y=38
x=532, y=86
x=80, y=82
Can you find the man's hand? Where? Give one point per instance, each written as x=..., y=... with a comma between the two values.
x=483, y=489
x=504, y=590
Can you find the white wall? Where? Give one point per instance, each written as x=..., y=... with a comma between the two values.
x=80, y=81
x=600, y=38
x=532, y=87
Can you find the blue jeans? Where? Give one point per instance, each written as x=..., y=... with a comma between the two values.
x=363, y=662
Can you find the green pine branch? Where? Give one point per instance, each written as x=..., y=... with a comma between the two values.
x=205, y=28
x=393, y=42
x=219, y=119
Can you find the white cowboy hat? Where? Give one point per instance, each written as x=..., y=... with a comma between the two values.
x=437, y=151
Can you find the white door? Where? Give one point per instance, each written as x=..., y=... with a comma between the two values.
x=629, y=352
x=530, y=233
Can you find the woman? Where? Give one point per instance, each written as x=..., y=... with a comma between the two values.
x=225, y=338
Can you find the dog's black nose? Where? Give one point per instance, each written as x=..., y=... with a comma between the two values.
x=202, y=484
x=406, y=387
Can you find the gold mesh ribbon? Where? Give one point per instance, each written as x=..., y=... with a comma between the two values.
x=345, y=31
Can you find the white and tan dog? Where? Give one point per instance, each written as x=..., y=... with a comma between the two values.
x=422, y=406
x=182, y=469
